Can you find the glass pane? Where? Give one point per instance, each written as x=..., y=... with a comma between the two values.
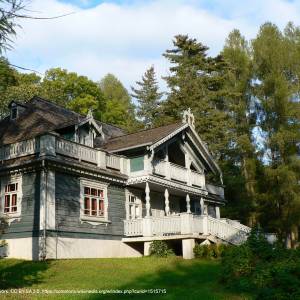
x=87, y=191
x=94, y=192
x=14, y=200
x=86, y=206
x=101, y=207
x=101, y=193
x=137, y=164
x=7, y=201
x=94, y=206
x=11, y=187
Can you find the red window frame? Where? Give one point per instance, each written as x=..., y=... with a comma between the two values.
x=11, y=198
x=93, y=201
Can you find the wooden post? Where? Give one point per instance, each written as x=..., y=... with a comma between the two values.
x=188, y=204
x=218, y=212
x=167, y=208
x=148, y=206
x=202, y=206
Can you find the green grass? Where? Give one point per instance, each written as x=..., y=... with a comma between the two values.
x=182, y=279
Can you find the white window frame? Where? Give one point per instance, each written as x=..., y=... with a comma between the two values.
x=137, y=205
x=11, y=216
x=96, y=185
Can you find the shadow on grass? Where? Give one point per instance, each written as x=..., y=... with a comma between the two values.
x=197, y=280
x=21, y=274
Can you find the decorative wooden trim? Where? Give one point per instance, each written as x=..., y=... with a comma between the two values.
x=166, y=183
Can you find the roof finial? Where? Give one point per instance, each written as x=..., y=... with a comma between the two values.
x=188, y=117
x=90, y=114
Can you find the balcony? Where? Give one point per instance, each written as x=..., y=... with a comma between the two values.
x=186, y=224
x=53, y=145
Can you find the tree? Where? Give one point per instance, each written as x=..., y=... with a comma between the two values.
x=9, y=10
x=241, y=183
x=148, y=97
x=72, y=90
x=277, y=71
x=119, y=108
x=196, y=81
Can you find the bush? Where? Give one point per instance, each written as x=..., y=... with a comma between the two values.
x=212, y=251
x=269, y=271
x=160, y=249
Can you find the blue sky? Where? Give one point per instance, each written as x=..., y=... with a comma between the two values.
x=127, y=37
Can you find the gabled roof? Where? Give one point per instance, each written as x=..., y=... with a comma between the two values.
x=42, y=116
x=141, y=138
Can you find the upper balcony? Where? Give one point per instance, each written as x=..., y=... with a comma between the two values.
x=52, y=145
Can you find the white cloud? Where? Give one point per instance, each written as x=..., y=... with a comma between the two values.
x=127, y=39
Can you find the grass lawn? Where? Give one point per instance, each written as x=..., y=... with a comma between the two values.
x=182, y=279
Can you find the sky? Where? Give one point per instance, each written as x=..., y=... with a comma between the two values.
x=127, y=37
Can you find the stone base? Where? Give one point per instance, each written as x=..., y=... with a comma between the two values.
x=187, y=248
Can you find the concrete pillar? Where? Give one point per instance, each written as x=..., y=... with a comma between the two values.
x=187, y=248
x=147, y=248
x=188, y=204
x=167, y=207
x=148, y=206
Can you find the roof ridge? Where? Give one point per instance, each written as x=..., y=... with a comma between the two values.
x=62, y=107
x=144, y=130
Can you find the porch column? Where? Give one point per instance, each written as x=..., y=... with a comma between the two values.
x=202, y=206
x=188, y=204
x=167, y=208
x=218, y=212
x=148, y=206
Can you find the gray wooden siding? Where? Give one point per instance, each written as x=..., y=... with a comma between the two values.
x=29, y=221
x=67, y=206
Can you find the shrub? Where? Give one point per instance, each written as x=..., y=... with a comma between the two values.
x=160, y=249
x=211, y=251
x=268, y=271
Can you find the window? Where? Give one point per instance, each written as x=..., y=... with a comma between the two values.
x=11, y=196
x=134, y=206
x=14, y=113
x=93, y=201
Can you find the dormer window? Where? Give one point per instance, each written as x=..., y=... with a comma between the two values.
x=14, y=113
x=16, y=109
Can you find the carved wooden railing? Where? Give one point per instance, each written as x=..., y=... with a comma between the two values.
x=76, y=150
x=197, y=179
x=133, y=227
x=51, y=145
x=24, y=148
x=187, y=224
x=113, y=162
x=160, y=167
x=178, y=173
x=169, y=225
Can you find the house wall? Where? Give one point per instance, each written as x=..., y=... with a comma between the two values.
x=22, y=234
x=76, y=239
x=67, y=209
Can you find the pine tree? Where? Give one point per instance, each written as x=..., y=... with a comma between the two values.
x=148, y=97
x=242, y=153
x=196, y=81
x=276, y=61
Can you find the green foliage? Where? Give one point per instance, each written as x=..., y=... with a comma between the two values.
x=196, y=81
x=160, y=249
x=119, y=107
x=272, y=271
x=148, y=97
x=212, y=251
x=9, y=9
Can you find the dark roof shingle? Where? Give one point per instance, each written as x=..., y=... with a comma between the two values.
x=41, y=116
x=144, y=137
